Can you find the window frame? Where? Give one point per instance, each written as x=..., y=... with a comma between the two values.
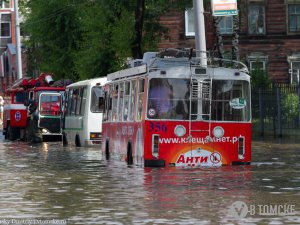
x=226, y=28
x=3, y=5
x=187, y=22
x=5, y=22
x=288, y=19
x=264, y=19
x=294, y=60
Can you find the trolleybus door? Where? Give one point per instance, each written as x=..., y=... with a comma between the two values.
x=50, y=110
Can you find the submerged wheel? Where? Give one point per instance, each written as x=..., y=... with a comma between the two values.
x=64, y=139
x=77, y=141
x=12, y=133
x=107, y=156
x=129, y=154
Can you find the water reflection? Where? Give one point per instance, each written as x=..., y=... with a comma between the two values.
x=48, y=181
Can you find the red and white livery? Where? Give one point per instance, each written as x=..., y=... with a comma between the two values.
x=173, y=111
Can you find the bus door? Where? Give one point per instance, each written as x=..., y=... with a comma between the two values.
x=200, y=115
x=50, y=112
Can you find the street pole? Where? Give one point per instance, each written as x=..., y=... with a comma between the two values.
x=200, y=38
x=18, y=42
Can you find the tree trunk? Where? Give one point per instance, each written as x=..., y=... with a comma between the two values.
x=235, y=39
x=219, y=48
x=139, y=19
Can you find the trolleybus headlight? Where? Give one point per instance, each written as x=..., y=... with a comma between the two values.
x=179, y=131
x=218, y=132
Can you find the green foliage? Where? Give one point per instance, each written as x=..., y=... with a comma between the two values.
x=259, y=78
x=290, y=105
x=82, y=39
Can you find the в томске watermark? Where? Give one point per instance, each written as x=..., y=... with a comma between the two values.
x=240, y=209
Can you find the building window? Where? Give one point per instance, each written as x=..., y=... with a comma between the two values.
x=226, y=25
x=294, y=17
x=258, y=64
x=5, y=29
x=295, y=72
x=256, y=19
x=189, y=23
x=5, y=5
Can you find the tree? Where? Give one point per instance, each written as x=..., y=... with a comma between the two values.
x=82, y=39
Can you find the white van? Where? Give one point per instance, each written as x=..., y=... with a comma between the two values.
x=82, y=120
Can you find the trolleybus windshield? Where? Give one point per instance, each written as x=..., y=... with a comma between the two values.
x=169, y=98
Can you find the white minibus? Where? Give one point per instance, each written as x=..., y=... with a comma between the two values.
x=82, y=120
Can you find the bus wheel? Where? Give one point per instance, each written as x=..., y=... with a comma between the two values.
x=64, y=139
x=77, y=141
x=129, y=154
x=107, y=150
x=12, y=133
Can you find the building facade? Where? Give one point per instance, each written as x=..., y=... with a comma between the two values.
x=269, y=35
x=8, y=65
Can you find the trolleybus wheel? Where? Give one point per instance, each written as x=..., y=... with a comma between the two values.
x=129, y=154
x=107, y=150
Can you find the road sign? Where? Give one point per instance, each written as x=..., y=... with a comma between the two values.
x=224, y=7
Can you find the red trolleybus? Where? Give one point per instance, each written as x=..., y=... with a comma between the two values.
x=170, y=110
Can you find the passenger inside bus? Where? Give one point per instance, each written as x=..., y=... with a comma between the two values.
x=168, y=99
x=160, y=96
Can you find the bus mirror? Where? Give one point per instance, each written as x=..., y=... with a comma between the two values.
x=101, y=104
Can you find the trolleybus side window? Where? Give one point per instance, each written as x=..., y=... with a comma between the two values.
x=120, y=105
x=109, y=97
x=132, y=100
x=126, y=100
x=115, y=102
x=230, y=100
x=141, y=88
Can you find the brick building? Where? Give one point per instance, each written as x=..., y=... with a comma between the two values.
x=269, y=36
x=8, y=68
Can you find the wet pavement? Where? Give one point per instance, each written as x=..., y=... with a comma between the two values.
x=61, y=185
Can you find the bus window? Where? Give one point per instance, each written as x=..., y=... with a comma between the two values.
x=78, y=98
x=96, y=96
x=230, y=100
x=168, y=98
x=120, y=106
x=126, y=101
x=140, y=99
x=132, y=100
x=115, y=93
x=83, y=100
x=109, y=97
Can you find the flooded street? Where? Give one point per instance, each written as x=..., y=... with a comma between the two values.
x=76, y=186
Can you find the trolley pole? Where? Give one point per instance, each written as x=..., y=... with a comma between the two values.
x=200, y=38
x=18, y=41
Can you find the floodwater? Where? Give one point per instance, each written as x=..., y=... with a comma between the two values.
x=49, y=184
